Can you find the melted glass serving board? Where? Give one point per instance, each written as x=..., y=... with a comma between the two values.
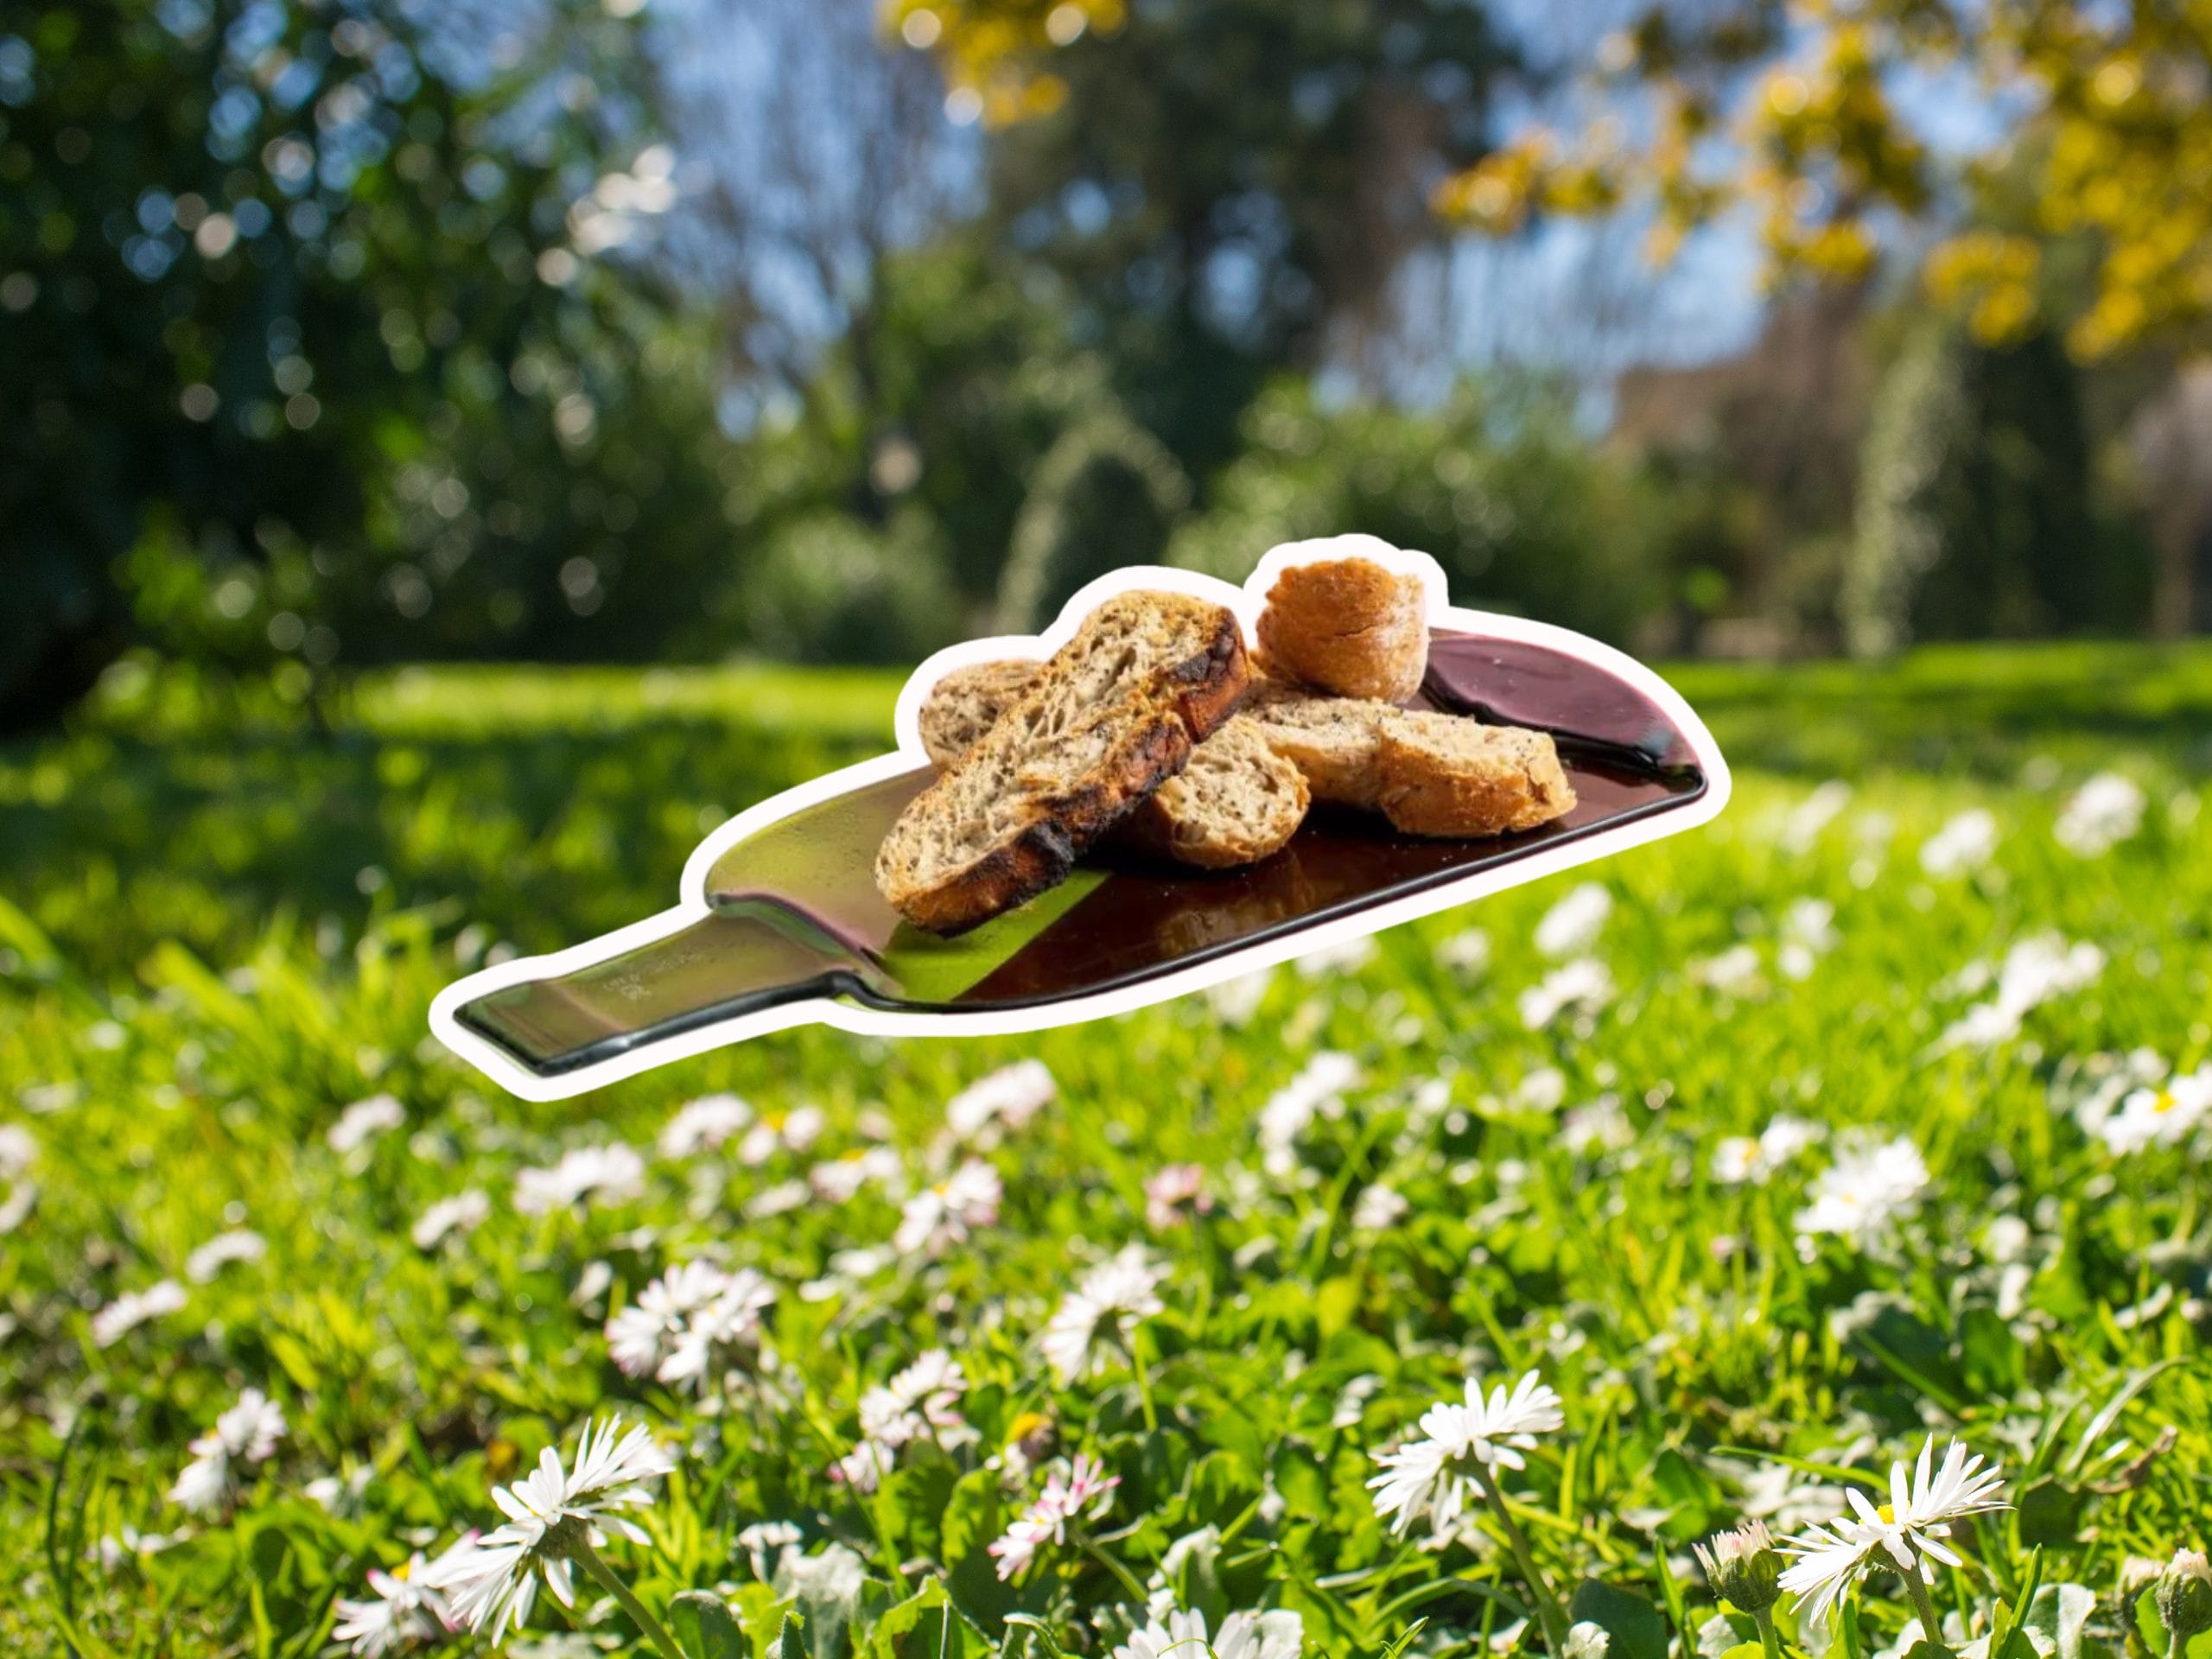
x=786, y=924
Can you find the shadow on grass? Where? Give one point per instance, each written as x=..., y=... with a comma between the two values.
x=113, y=842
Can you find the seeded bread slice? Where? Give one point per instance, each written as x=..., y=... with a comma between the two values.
x=1446, y=775
x=1349, y=626
x=1332, y=740
x=1115, y=714
x=1237, y=802
x=968, y=702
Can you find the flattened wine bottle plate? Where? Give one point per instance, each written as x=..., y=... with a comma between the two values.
x=780, y=924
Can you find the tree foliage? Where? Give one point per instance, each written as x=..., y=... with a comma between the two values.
x=2099, y=146
x=1974, y=514
x=1522, y=515
x=1227, y=187
x=315, y=348
x=1108, y=494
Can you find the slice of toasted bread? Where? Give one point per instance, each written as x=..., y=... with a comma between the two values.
x=1331, y=739
x=1440, y=774
x=1236, y=803
x=967, y=703
x=1116, y=713
x=1349, y=627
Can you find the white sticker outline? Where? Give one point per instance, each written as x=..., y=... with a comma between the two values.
x=1246, y=601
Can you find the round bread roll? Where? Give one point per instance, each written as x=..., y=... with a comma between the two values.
x=1347, y=625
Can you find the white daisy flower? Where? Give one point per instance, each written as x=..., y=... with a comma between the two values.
x=1865, y=1191
x=1378, y=1208
x=342, y=1494
x=939, y=1216
x=920, y=1402
x=1913, y=1524
x=1435, y=1476
x=1280, y=1635
x=1082, y=1494
x=1571, y=927
x=1811, y=923
x=134, y=1308
x=2034, y=971
x=219, y=1252
x=591, y=1284
x=458, y=1216
x=863, y=1468
x=703, y=1125
x=760, y=1538
x=129, y=1544
x=2159, y=1117
x=1319, y=1086
x=1018, y=1546
x=247, y=1434
x=407, y=1606
x=1583, y=986
x=780, y=1199
x=16, y=1208
x=1600, y=1126
x=1743, y=1158
x=1734, y=972
x=840, y=1180
x=364, y=1121
x=2104, y=812
x=1466, y=952
x=18, y=1151
x=1007, y=1098
x=678, y=1321
x=1101, y=1311
x=1814, y=814
x=1175, y=1193
x=792, y=1131
x=608, y=1174
x=1543, y=1090
x=1964, y=843
x=550, y=1513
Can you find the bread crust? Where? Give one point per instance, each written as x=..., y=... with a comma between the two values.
x=1446, y=776
x=1143, y=718
x=1349, y=626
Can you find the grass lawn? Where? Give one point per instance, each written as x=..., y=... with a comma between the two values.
x=1869, y=1112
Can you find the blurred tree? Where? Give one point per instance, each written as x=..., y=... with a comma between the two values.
x=1108, y=494
x=1227, y=186
x=818, y=153
x=2081, y=206
x=1516, y=505
x=970, y=377
x=830, y=588
x=316, y=348
x=1752, y=464
x=1974, y=519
